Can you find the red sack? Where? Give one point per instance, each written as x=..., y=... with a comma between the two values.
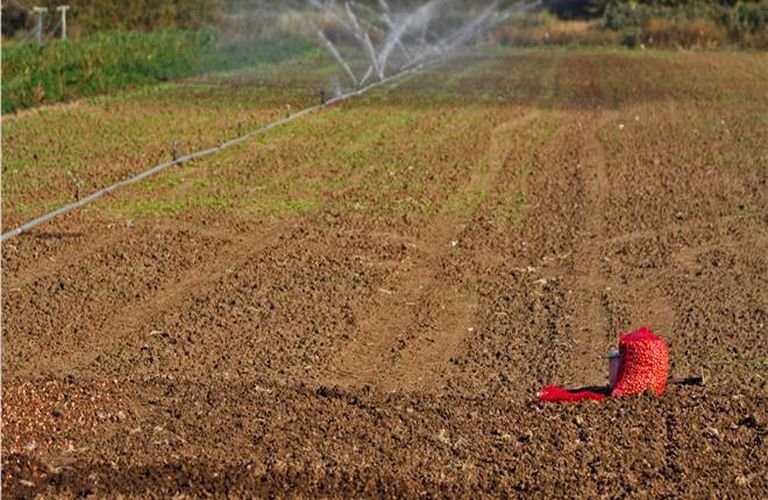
x=644, y=364
x=553, y=394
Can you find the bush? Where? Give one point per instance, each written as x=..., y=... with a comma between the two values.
x=687, y=24
x=749, y=18
x=658, y=23
x=631, y=37
x=108, y=61
x=61, y=70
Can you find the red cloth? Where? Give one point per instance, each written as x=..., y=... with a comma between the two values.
x=643, y=365
x=552, y=394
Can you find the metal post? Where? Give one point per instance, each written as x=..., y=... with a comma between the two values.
x=63, y=9
x=40, y=11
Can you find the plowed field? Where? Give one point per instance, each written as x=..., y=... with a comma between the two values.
x=366, y=301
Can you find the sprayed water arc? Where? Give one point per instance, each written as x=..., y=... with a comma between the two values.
x=416, y=36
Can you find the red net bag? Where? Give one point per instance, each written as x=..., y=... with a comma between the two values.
x=644, y=363
x=553, y=394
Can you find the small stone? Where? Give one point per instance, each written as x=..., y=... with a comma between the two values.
x=712, y=432
x=442, y=436
x=526, y=437
x=750, y=421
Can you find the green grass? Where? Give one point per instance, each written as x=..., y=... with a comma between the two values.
x=464, y=203
x=105, y=62
x=291, y=206
x=514, y=215
x=147, y=208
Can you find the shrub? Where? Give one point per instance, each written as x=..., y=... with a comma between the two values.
x=748, y=18
x=687, y=24
x=108, y=61
x=631, y=37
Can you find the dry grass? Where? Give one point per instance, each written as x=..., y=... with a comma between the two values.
x=556, y=33
x=683, y=33
x=756, y=41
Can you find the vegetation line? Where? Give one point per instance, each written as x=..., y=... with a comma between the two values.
x=105, y=62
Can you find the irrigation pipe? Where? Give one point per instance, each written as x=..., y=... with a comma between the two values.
x=206, y=152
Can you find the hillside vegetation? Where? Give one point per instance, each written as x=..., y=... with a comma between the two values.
x=660, y=23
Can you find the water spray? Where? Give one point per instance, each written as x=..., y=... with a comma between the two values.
x=336, y=55
x=416, y=18
x=394, y=29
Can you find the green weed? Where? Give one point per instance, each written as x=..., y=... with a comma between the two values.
x=147, y=208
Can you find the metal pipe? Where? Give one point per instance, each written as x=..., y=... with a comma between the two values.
x=63, y=9
x=40, y=11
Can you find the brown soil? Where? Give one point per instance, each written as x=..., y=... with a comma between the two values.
x=363, y=350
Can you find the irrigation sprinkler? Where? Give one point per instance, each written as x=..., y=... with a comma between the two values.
x=175, y=146
x=40, y=12
x=77, y=185
x=63, y=9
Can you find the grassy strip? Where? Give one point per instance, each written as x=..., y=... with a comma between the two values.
x=105, y=62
